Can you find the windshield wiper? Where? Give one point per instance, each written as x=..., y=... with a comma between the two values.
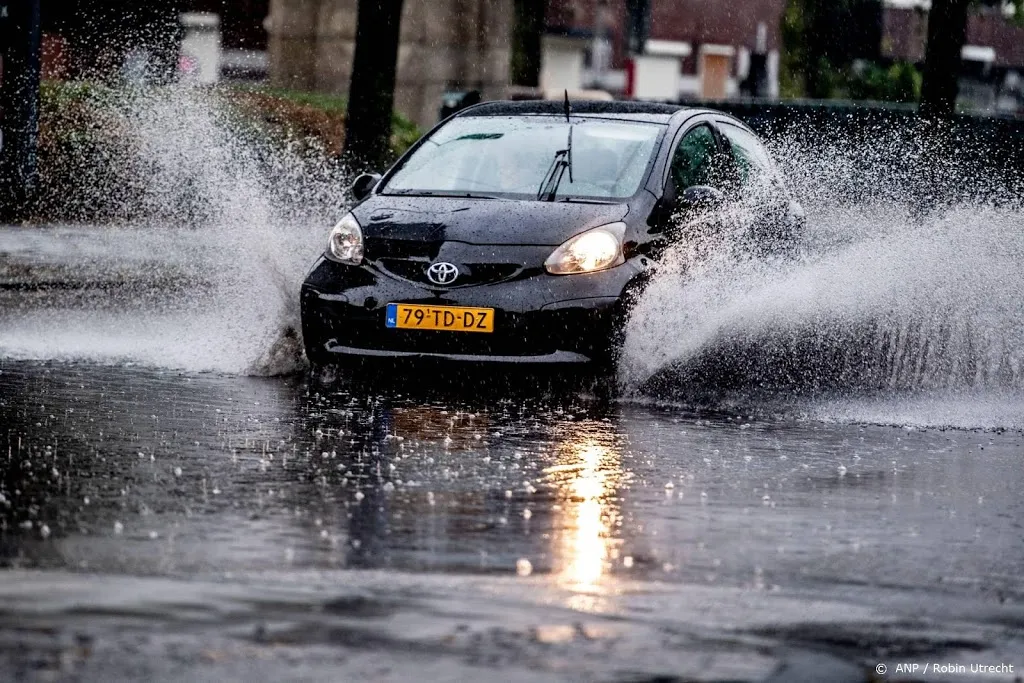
x=554, y=175
x=559, y=165
x=568, y=155
x=568, y=146
x=586, y=200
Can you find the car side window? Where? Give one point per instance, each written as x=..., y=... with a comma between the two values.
x=695, y=159
x=752, y=160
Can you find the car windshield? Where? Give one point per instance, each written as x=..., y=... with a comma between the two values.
x=513, y=157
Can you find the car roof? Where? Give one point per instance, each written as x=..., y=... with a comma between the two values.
x=651, y=112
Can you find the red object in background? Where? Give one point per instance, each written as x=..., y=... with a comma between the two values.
x=187, y=65
x=55, y=63
x=630, y=77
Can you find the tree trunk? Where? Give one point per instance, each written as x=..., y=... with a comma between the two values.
x=371, y=95
x=19, y=106
x=638, y=24
x=527, y=28
x=947, y=32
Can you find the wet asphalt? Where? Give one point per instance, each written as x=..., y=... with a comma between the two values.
x=168, y=525
x=166, y=516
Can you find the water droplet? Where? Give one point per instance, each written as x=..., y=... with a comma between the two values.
x=118, y=528
x=523, y=567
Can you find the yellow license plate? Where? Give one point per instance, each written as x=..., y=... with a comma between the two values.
x=448, y=318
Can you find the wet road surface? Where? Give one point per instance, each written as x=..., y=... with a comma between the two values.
x=167, y=525
x=165, y=515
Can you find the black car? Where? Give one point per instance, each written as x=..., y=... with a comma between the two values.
x=520, y=231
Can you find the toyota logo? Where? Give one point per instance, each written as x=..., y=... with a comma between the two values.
x=442, y=273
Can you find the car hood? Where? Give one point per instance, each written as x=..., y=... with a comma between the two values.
x=480, y=221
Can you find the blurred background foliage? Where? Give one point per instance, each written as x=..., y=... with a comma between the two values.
x=820, y=62
x=90, y=170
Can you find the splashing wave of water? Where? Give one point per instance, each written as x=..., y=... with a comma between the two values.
x=934, y=305
x=888, y=307
x=238, y=222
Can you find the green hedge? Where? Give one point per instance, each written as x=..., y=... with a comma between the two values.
x=91, y=170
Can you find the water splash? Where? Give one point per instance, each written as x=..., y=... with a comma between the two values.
x=889, y=305
x=237, y=220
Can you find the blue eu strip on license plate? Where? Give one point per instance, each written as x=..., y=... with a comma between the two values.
x=391, y=318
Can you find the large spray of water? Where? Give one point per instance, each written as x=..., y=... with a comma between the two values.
x=895, y=292
x=221, y=220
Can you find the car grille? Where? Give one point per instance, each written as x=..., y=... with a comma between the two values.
x=470, y=274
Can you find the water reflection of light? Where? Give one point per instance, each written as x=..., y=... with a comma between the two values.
x=585, y=479
x=457, y=430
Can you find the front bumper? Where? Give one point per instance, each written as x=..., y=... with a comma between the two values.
x=539, y=318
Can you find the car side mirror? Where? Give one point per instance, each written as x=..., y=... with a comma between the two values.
x=700, y=199
x=364, y=184
x=680, y=210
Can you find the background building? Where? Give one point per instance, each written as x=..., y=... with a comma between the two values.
x=691, y=49
x=993, y=72
x=694, y=48
x=445, y=45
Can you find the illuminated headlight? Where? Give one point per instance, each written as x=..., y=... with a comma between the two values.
x=345, y=243
x=589, y=251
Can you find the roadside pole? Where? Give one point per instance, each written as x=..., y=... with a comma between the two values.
x=20, y=42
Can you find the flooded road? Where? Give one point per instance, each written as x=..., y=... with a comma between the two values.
x=188, y=526
x=814, y=472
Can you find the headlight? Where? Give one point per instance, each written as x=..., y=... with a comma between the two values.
x=345, y=243
x=587, y=252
